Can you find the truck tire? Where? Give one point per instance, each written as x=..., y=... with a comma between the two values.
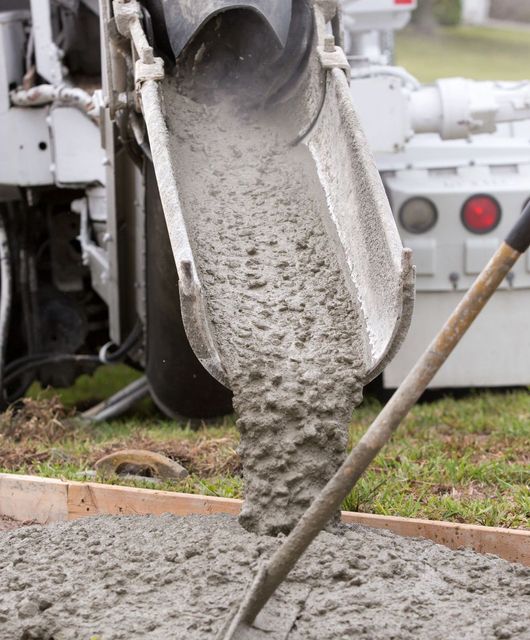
x=179, y=384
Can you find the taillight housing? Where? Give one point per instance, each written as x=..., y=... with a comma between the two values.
x=418, y=215
x=481, y=213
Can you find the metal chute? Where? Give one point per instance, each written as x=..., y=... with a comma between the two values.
x=184, y=18
x=362, y=232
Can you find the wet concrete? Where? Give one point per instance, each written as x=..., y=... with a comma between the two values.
x=286, y=326
x=168, y=577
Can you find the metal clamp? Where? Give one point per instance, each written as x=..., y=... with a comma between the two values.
x=333, y=57
x=148, y=71
x=126, y=12
x=128, y=19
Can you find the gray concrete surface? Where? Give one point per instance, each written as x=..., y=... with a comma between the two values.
x=157, y=578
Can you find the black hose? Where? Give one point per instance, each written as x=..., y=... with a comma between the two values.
x=36, y=362
x=30, y=359
x=30, y=362
x=129, y=342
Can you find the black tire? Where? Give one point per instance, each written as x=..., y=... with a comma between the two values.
x=179, y=384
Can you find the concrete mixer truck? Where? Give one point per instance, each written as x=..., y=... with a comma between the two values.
x=101, y=258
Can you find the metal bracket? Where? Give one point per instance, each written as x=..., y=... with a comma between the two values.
x=47, y=54
x=150, y=71
x=128, y=20
x=93, y=256
x=128, y=17
x=333, y=57
x=125, y=13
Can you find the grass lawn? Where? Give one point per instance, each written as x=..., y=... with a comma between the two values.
x=471, y=52
x=462, y=460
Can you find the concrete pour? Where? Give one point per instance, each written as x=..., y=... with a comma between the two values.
x=117, y=578
x=285, y=324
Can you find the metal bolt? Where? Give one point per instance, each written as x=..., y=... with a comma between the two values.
x=329, y=44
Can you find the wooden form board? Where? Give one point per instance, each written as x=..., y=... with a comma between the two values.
x=46, y=500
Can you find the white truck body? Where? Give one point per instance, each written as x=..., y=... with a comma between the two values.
x=479, y=143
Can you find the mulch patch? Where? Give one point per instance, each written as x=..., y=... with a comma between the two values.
x=31, y=433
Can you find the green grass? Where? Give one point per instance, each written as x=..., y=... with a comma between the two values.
x=462, y=460
x=89, y=389
x=471, y=52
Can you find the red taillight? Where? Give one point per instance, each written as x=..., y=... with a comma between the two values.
x=481, y=214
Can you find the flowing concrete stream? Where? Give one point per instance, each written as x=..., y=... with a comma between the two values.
x=285, y=323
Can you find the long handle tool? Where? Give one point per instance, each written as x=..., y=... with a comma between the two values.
x=328, y=502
